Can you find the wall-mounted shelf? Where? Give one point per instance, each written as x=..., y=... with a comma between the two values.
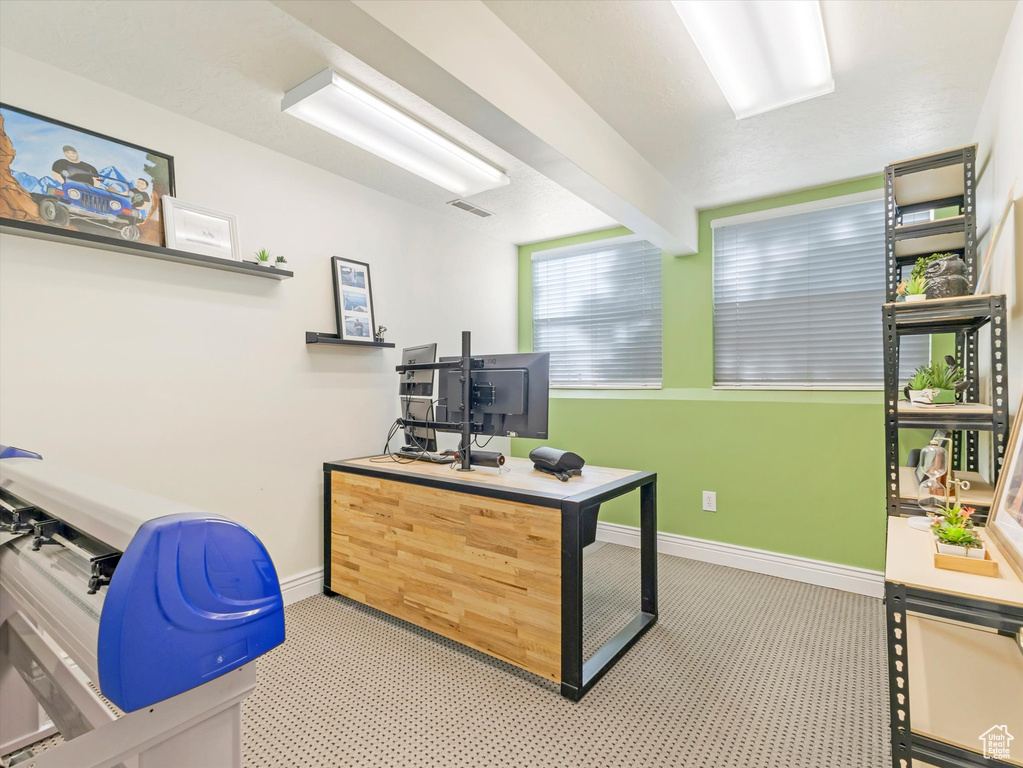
x=38, y=231
x=312, y=337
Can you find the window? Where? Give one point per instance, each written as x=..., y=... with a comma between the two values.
x=797, y=299
x=597, y=310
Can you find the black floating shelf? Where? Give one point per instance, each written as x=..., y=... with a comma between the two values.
x=89, y=240
x=312, y=337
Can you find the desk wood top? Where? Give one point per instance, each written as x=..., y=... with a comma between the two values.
x=910, y=561
x=517, y=477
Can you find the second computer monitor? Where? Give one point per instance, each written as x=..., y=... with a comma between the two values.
x=509, y=398
x=416, y=409
x=417, y=383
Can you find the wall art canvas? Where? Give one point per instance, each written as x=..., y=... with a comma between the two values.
x=192, y=228
x=353, y=300
x=1005, y=521
x=60, y=176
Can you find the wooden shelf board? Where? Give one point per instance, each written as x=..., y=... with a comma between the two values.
x=89, y=240
x=958, y=702
x=928, y=244
x=962, y=409
x=930, y=185
x=909, y=560
x=314, y=337
x=980, y=493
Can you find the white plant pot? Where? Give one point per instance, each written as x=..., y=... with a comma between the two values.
x=281, y=266
x=264, y=263
x=916, y=297
x=974, y=553
x=922, y=396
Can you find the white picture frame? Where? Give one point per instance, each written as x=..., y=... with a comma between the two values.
x=195, y=229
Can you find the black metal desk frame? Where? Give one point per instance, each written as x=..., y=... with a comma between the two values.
x=578, y=514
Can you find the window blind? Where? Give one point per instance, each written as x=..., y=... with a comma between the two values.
x=797, y=301
x=597, y=310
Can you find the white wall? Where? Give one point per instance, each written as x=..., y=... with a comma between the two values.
x=197, y=384
x=999, y=133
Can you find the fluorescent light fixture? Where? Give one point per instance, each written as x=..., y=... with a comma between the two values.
x=764, y=54
x=350, y=112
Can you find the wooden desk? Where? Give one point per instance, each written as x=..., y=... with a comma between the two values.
x=491, y=559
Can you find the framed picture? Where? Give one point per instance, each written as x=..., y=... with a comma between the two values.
x=68, y=178
x=353, y=300
x=1005, y=521
x=199, y=230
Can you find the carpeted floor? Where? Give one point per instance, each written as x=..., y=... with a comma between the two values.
x=741, y=671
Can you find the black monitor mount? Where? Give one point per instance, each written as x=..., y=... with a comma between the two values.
x=466, y=428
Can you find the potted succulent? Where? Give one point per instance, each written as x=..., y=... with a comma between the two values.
x=916, y=289
x=281, y=262
x=936, y=384
x=264, y=257
x=954, y=534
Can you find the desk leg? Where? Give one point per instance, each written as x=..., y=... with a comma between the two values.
x=571, y=601
x=648, y=546
x=577, y=677
x=326, y=534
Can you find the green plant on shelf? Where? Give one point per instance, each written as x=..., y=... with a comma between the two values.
x=955, y=515
x=958, y=536
x=946, y=374
x=940, y=382
x=916, y=286
x=263, y=256
x=921, y=379
x=924, y=261
x=280, y=261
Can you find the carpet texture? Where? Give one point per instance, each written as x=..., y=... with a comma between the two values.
x=741, y=671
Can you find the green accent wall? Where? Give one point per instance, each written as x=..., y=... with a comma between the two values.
x=796, y=472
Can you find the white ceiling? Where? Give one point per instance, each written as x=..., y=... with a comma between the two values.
x=910, y=78
x=227, y=64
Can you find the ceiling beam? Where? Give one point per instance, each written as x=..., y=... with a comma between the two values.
x=460, y=57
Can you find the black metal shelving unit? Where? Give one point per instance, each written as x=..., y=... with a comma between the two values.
x=926, y=183
x=945, y=179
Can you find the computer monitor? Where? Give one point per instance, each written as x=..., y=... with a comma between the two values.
x=419, y=409
x=417, y=383
x=509, y=395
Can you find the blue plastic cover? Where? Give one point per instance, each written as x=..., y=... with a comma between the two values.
x=192, y=597
x=10, y=452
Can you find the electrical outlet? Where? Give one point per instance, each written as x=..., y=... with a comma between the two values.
x=710, y=501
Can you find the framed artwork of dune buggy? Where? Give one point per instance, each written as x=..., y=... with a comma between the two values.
x=58, y=175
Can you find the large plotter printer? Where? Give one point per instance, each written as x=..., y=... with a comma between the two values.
x=159, y=607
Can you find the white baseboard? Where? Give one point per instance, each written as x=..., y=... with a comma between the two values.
x=845, y=577
x=302, y=585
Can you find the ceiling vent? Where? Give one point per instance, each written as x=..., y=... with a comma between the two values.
x=470, y=208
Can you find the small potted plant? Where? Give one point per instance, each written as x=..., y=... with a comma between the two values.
x=937, y=384
x=264, y=257
x=916, y=289
x=281, y=263
x=954, y=534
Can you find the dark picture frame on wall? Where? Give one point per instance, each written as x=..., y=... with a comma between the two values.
x=63, y=177
x=353, y=300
